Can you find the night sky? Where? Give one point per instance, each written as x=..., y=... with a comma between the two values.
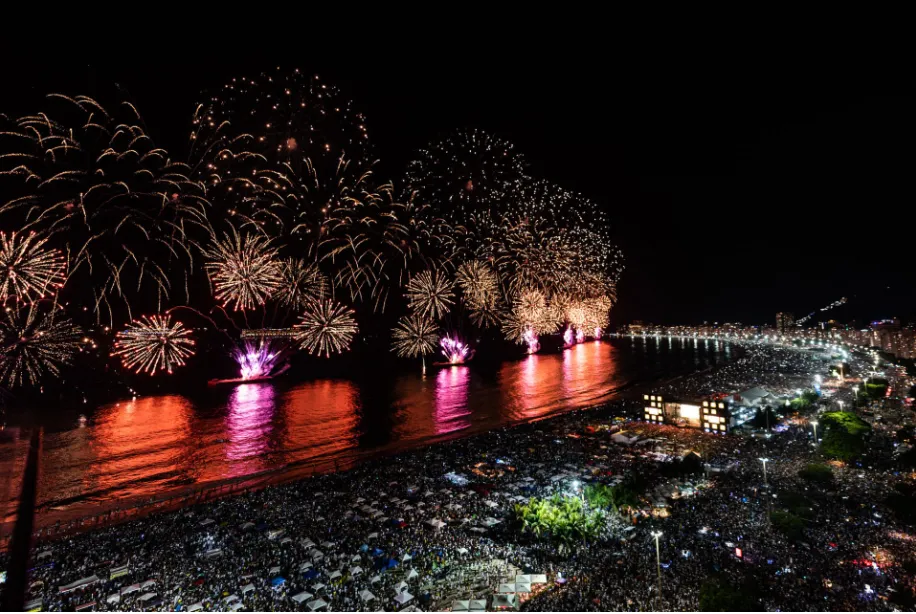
x=737, y=189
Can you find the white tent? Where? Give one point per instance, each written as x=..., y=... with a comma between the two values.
x=522, y=587
x=400, y=587
x=462, y=550
x=130, y=589
x=317, y=604
x=230, y=598
x=307, y=543
x=412, y=574
x=327, y=544
x=247, y=588
x=285, y=541
x=355, y=557
x=375, y=579
x=274, y=570
x=477, y=605
x=317, y=586
x=506, y=588
x=317, y=555
x=406, y=558
x=523, y=579
x=538, y=578
x=196, y=607
x=355, y=571
x=461, y=605
x=304, y=566
x=235, y=607
x=505, y=601
x=113, y=598
x=366, y=596
x=402, y=598
x=435, y=523
x=300, y=597
x=373, y=535
x=147, y=596
x=334, y=575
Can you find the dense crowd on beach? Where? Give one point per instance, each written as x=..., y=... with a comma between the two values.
x=432, y=527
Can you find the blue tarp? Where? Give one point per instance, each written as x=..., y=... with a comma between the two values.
x=311, y=574
x=363, y=548
x=378, y=552
x=278, y=581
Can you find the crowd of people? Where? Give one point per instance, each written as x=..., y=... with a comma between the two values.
x=427, y=528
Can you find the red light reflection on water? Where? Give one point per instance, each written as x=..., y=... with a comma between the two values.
x=157, y=445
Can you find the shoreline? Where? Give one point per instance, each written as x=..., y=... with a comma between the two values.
x=65, y=523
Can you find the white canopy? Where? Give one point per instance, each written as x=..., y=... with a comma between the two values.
x=147, y=596
x=355, y=571
x=230, y=598
x=375, y=579
x=435, y=523
x=523, y=579
x=538, y=578
x=196, y=607
x=130, y=589
x=235, y=607
x=406, y=558
x=317, y=604
x=304, y=566
x=366, y=595
x=300, y=597
x=334, y=575
x=327, y=544
x=307, y=543
x=506, y=588
x=274, y=570
x=317, y=586
x=477, y=605
x=461, y=605
x=400, y=587
x=113, y=598
x=462, y=550
x=522, y=587
x=373, y=535
x=505, y=601
x=247, y=588
x=402, y=598
x=412, y=574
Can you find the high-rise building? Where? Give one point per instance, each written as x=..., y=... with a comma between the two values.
x=784, y=321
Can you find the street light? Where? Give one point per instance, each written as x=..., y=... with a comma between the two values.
x=764, y=461
x=814, y=424
x=658, y=561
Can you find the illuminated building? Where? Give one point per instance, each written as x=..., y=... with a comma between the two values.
x=710, y=415
x=784, y=321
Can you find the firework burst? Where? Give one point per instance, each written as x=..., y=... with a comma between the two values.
x=301, y=283
x=429, y=293
x=480, y=288
x=415, y=336
x=154, y=343
x=244, y=270
x=326, y=326
x=466, y=172
x=257, y=360
x=94, y=184
x=28, y=270
x=456, y=351
x=34, y=343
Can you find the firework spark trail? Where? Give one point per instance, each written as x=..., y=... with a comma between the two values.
x=325, y=327
x=154, y=343
x=301, y=283
x=28, y=270
x=35, y=341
